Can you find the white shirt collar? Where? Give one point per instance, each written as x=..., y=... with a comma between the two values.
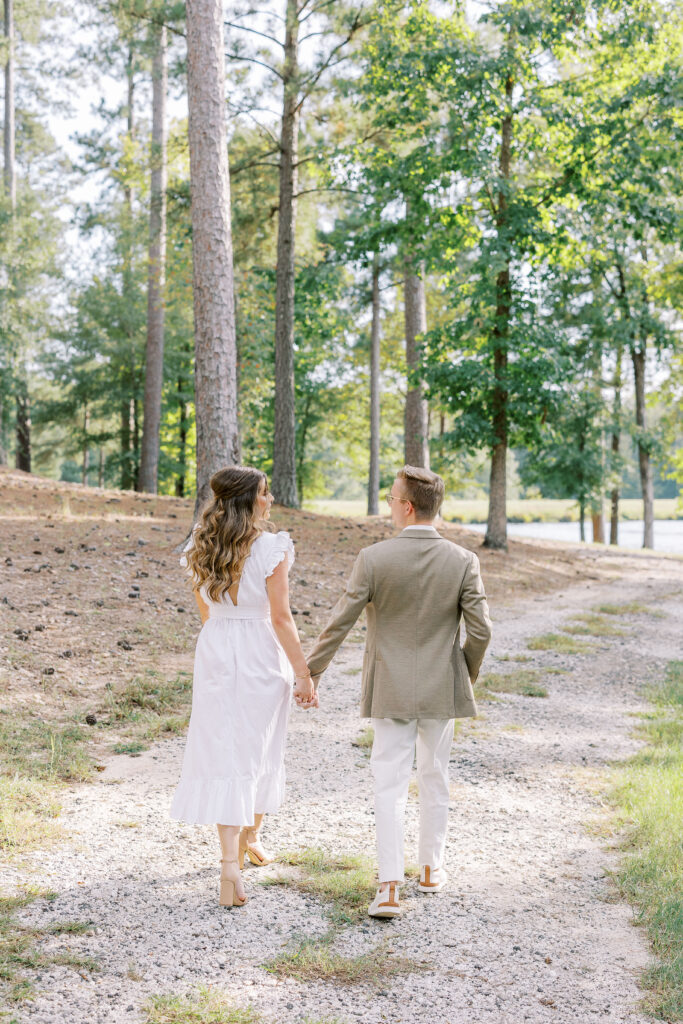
x=420, y=526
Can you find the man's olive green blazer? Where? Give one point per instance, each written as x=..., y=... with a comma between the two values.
x=416, y=587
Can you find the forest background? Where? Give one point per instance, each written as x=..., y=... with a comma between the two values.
x=456, y=242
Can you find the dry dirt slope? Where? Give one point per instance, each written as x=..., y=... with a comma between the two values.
x=91, y=593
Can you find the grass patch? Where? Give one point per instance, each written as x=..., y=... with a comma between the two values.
x=513, y=727
x=205, y=1006
x=28, y=809
x=593, y=625
x=513, y=657
x=346, y=883
x=632, y=608
x=148, y=698
x=130, y=748
x=19, y=950
x=560, y=643
x=35, y=749
x=37, y=755
x=523, y=681
x=365, y=739
x=314, y=960
x=649, y=800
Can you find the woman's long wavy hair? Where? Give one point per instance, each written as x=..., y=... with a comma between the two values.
x=227, y=529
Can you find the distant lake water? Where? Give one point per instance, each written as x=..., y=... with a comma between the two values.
x=668, y=533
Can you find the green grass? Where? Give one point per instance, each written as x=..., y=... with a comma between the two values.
x=592, y=625
x=346, y=883
x=521, y=510
x=365, y=739
x=560, y=643
x=632, y=608
x=38, y=756
x=28, y=812
x=649, y=800
x=20, y=952
x=314, y=960
x=523, y=681
x=205, y=1006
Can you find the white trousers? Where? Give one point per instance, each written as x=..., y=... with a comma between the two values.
x=393, y=752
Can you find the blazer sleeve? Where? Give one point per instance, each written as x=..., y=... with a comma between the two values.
x=475, y=612
x=343, y=616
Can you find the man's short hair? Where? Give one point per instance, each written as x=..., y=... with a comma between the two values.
x=424, y=489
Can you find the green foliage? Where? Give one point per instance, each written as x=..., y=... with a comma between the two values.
x=649, y=798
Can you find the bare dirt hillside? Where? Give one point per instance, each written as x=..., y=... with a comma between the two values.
x=91, y=592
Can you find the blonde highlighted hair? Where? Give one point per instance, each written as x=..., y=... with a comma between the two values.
x=424, y=489
x=227, y=529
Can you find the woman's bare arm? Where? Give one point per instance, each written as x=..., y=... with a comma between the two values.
x=202, y=605
x=285, y=629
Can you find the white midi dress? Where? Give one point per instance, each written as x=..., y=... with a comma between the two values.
x=233, y=766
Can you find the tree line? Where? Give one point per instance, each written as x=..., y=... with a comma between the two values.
x=383, y=231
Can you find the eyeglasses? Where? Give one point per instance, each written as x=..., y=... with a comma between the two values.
x=394, y=497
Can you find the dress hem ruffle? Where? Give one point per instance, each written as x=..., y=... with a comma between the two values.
x=227, y=801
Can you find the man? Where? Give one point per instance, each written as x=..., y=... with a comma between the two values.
x=416, y=677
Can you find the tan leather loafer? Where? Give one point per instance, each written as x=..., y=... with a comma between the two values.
x=385, y=903
x=432, y=879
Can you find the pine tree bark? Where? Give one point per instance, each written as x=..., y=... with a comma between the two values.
x=284, y=483
x=218, y=442
x=496, y=528
x=154, y=353
x=85, y=467
x=416, y=413
x=23, y=449
x=127, y=370
x=375, y=337
x=182, y=438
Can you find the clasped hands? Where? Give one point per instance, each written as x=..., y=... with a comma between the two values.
x=305, y=692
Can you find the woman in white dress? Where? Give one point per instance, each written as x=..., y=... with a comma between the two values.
x=247, y=654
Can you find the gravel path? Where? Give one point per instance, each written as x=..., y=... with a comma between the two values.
x=526, y=931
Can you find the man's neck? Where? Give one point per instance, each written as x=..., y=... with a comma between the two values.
x=429, y=523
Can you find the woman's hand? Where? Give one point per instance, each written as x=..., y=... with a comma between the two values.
x=304, y=692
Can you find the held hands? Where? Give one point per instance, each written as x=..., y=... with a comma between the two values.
x=305, y=694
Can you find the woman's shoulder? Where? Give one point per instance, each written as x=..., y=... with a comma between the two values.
x=274, y=547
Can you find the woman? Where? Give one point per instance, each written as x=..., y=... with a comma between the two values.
x=247, y=652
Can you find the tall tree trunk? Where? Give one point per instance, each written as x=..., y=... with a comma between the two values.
x=373, y=472
x=135, y=438
x=582, y=521
x=182, y=437
x=644, y=462
x=124, y=436
x=85, y=468
x=154, y=355
x=416, y=413
x=22, y=457
x=615, y=444
x=23, y=448
x=218, y=441
x=100, y=469
x=496, y=528
x=128, y=356
x=284, y=438
x=9, y=163
x=598, y=526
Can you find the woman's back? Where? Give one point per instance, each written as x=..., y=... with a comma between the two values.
x=251, y=594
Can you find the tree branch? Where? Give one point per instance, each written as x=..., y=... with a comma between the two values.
x=255, y=60
x=255, y=31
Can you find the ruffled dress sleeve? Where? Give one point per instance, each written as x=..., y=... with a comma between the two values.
x=280, y=546
x=190, y=544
